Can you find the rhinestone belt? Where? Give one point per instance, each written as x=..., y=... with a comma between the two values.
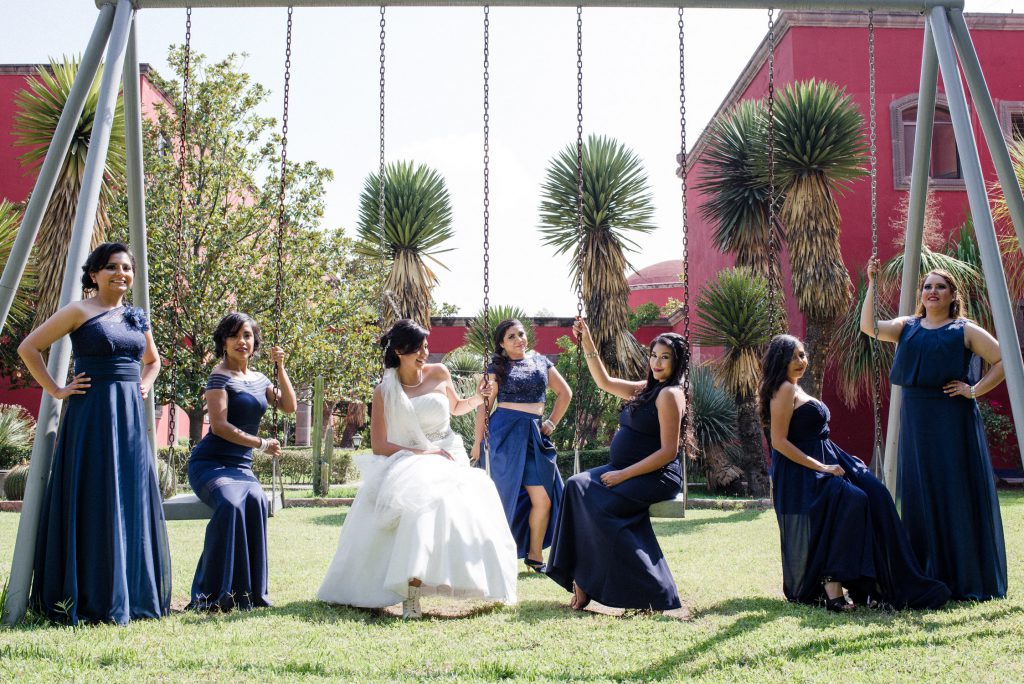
x=439, y=435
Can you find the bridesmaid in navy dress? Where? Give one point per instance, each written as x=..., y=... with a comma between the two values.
x=101, y=554
x=944, y=486
x=604, y=547
x=523, y=459
x=232, y=571
x=837, y=523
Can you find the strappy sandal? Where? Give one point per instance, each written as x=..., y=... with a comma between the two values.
x=839, y=604
x=534, y=565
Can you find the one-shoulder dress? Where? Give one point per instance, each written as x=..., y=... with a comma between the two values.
x=102, y=552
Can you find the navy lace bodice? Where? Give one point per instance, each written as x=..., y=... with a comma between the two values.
x=117, y=332
x=527, y=380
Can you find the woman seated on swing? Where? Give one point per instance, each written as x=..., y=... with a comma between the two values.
x=604, y=546
x=838, y=525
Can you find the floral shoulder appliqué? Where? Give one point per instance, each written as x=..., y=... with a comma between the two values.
x=135, y=318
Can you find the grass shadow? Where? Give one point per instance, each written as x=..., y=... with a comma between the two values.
x=669, y=526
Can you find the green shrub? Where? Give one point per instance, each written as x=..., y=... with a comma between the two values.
x=11, y=456
x=589, y=458
x=14, y=484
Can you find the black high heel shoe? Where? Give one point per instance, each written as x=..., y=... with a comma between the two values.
x=839, y=604
x=534, y=565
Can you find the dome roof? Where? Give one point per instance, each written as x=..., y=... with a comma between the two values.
x=664, y=273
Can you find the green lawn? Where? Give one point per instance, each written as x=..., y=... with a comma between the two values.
x=725, y=562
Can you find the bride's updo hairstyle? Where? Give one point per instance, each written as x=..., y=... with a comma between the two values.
x=404, y=336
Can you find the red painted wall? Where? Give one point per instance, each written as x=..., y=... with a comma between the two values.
x=839, y=54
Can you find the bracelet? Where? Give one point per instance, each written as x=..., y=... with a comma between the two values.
x=974, y=391
x=590, y=355
x=264, y=444
x=548, y=421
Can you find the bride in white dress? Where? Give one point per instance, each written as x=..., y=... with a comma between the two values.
x=424, y=521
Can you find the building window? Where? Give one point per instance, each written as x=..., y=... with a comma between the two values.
x=1011, y=120
x=945, y=170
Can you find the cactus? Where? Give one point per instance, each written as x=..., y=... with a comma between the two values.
x=14, y=485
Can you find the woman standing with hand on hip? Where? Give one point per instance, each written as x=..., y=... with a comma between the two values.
x=944, y=486
x=101, y=553
x=523, y=464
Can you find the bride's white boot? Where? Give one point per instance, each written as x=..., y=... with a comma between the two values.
x=411, y=605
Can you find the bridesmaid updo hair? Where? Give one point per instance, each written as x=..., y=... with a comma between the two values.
x=404, y=336
x=956, y=307
x=500, y=360
x=229, y=327
x=774, y=367
x=98, y=258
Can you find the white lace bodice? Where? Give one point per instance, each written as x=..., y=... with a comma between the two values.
x=433, y=414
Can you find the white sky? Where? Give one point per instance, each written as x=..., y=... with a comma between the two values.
x=434, y=105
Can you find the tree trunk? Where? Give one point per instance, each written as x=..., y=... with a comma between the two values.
x=755, y=470
x=816, y=345
x=355, y=420
x=195, y=424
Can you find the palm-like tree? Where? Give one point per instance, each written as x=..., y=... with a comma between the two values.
x=39, y=107
x=20, y=317
x=617, y=204
x=737, y=188
x=417, y=221
x=732, y=313
x=820, y=148
x=714, y=426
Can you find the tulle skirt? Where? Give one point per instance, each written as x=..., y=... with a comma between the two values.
x=423, y=517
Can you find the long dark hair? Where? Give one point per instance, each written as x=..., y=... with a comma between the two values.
x=229, y=327
x=98, y=258
x=653, y=387
x=499, y=361
x=404, y=336
x=774, y=365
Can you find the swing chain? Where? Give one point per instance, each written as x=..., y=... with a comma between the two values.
x=581, y=262
x=486, y=438
x=381, y=181
x=873, y=140
x=686, y=231
x=773, y=284
x=179, y=238
x=281, y=219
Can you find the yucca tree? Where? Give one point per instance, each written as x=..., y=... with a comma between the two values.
x=464, y=365
x=737, y=189
x=22, y=308
x=732, y=313
x=481, y=332
x=38, y=108
x=617, y=206
x=819, y=150
x=417, y=222
x=1013, y=257
x=714, y=426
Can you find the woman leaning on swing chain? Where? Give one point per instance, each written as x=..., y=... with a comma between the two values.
x=944, y=487
x=523, y=464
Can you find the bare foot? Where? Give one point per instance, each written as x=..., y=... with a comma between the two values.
x=580, y=600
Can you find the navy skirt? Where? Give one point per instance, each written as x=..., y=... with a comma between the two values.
x=520, y=456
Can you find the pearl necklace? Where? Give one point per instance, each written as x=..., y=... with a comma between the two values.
x=416, y=385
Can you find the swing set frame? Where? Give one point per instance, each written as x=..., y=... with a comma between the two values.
x=947, y=48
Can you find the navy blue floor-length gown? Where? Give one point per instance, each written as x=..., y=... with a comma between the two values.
x=845, y=528
x=102, y=552
x=944, y=488
x=604, y=540
x=232, y=570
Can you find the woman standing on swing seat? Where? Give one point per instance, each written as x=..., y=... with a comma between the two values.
x=604, y=546
x=102, y=553
x=523, y=464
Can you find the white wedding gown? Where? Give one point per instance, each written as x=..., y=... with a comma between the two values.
x=421, y=516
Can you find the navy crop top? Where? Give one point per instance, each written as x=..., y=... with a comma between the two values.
x=527, y=380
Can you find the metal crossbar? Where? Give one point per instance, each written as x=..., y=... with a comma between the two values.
x=918, y=6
